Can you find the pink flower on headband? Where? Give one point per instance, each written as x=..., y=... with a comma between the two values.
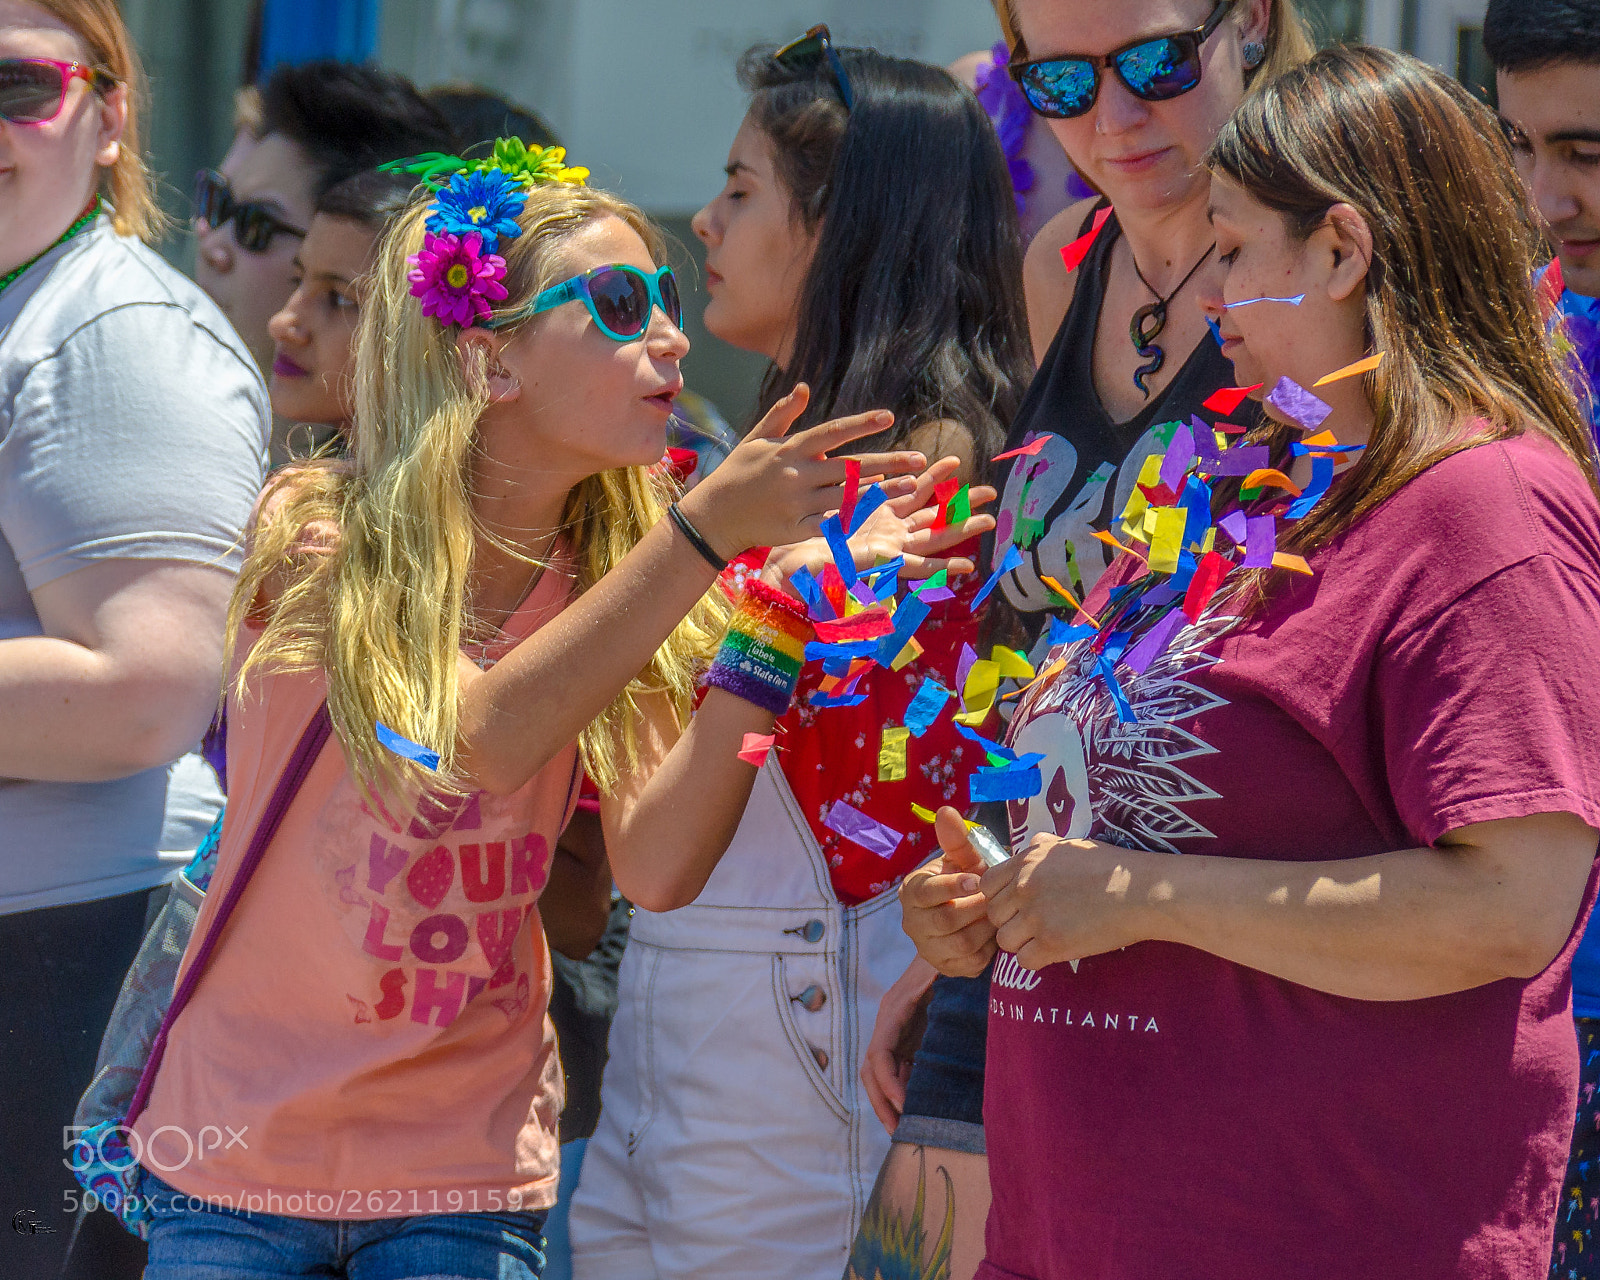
x=455, y=279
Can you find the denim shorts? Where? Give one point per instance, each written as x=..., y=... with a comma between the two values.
x=193, y=1240
x=944, y=1097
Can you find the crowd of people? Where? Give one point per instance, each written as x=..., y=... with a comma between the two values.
x=1089, y=783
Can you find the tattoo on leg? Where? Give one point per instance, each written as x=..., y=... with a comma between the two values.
x=890, y=1248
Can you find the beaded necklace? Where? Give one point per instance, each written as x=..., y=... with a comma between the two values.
x=84, y=220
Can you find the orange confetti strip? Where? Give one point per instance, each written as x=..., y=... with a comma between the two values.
x=1295, y=564
x=1271, y=476
x=1352, y=370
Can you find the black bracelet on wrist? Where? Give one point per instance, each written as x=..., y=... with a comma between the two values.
x=696, y=541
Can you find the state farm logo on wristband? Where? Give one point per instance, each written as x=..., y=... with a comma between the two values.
x=1010, y=974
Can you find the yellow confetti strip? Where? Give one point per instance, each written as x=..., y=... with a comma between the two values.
x=983, y=680
x=907, y=656
x=1013, y=666
x=892, y=755
x=1283, y=560
x=1352, y=370
x=926, y=815
x=1168, y=539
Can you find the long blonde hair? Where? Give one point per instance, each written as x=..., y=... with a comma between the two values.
x=126, y=184
x=383, y=616
x=1288, y=40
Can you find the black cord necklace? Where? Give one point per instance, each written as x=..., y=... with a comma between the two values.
x=1154, y=315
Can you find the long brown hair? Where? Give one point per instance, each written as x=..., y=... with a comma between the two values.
x=126, y=184
x=1449, y=295
x=1288, y=40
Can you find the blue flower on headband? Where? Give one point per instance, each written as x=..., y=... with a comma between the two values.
x=485, y=201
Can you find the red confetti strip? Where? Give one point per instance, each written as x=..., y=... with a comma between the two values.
x=1072, y=255
x=1230, y=398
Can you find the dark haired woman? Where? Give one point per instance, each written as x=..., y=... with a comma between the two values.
x=866, y=242
x=1304, y=946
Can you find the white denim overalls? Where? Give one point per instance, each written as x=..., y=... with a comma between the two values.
x=736, y=1140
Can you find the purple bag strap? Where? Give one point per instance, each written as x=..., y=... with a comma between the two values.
x=294, y=773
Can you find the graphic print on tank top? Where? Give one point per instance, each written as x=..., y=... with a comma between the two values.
x=1121, y=784
x=1053, y=503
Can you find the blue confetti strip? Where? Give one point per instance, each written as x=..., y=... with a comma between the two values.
x=1062, y=632
x=405, y=748
x=866, y=504
x=1014, y=782
x=837, y=543
x=911, y=614
x=1124, y=707
x=926, y=706
x=1321, y=478
x=1012, y=560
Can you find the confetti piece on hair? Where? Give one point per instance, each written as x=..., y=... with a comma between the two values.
x=870, y=624
x=1321, y=478
x=1028, y=450
x=1298, y=405
x=1271, y=476
x=1014, y=782
x=892, y=755
x=1250, y=302
x=1295, y=564
x=1154, y=642
x=1230, y=398
x=852, y=491
x=405, y=748
x=1179, y=456
x=755, y=748
x=925, y=815
x=1012, y=560
x=1072, y=255
x=870, y=834
x=1351, y=370
x=1233, y=524
x=1261, y=542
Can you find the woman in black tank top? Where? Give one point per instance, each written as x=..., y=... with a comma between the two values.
x=1102, y=401
x=1079, y=482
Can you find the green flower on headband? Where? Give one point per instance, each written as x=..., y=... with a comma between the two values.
x=532, y=165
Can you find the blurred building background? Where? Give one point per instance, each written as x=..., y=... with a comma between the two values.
x=641, y=91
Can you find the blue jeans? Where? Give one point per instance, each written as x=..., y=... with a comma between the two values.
x=192, y=1240
x=944, y=1096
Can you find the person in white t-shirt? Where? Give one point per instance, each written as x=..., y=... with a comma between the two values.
x=133, y=429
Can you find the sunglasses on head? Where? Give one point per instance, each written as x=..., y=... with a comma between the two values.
x=254, y=223
x=34, y=90
x=810, y=49
x=1156, y=69
x=619, y=299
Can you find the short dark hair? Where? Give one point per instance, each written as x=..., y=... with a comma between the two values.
x=371, y=198
x=348, y=118
x=913, y=300
x=480, y=115
x=1523, y=35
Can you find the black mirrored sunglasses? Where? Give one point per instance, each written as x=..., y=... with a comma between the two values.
x=254, y=223
x=814, y=47
x=1155, y=69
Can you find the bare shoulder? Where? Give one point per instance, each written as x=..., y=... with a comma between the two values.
x=1047, y=286
x=944, y=438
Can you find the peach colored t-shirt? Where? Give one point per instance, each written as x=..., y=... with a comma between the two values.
x=370, y=1039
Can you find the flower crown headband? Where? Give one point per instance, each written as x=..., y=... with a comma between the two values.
x=476, y=202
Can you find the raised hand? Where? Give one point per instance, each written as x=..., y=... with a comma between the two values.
x=942, y=910
x=775, y=489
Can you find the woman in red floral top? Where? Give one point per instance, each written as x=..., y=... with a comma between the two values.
x=866, y=241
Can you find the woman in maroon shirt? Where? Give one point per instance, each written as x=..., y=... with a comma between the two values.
x=1284, y=984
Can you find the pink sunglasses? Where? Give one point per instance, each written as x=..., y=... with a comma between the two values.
x=34, y=90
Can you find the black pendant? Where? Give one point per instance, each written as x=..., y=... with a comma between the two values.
x=1146, y=326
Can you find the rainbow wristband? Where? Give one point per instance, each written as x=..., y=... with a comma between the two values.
x=761, y=656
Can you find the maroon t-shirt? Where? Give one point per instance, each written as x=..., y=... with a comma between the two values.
x=1161, y=1112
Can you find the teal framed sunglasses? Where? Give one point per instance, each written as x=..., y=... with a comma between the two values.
x=619, y=299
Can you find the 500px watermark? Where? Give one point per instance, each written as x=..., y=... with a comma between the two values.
x=324, y=1204
x=120, y=1148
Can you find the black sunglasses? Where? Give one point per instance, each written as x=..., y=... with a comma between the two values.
x=254, y=224
x=814, y=47
x=1156, y=69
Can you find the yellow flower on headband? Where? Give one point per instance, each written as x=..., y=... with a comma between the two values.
x=532, y=165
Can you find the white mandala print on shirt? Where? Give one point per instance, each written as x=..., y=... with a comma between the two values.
x=1133, y=771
